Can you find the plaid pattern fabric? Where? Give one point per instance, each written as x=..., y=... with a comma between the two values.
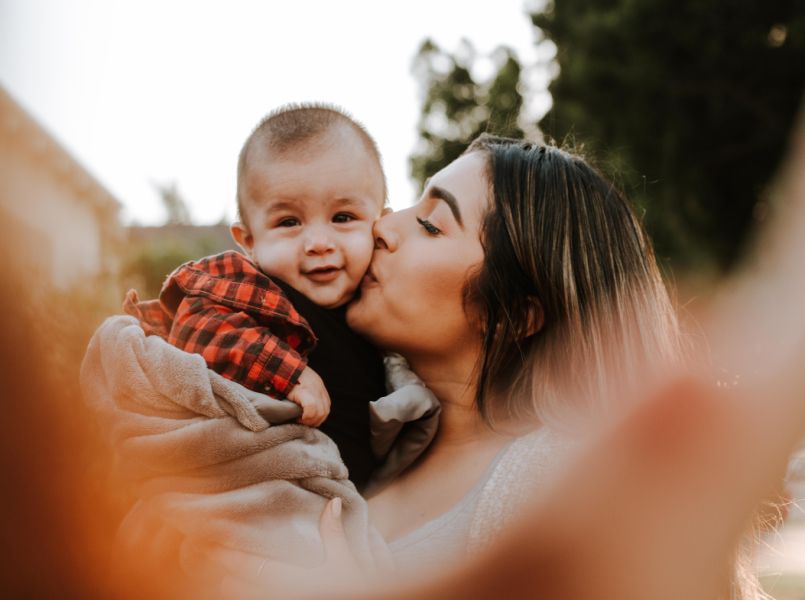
x=224, y=308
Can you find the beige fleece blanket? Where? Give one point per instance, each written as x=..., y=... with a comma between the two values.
x=209, y=461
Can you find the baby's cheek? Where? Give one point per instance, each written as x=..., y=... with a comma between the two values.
x=278, y=259
x=361, y=248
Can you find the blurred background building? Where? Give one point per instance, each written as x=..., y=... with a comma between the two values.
x=59, y=223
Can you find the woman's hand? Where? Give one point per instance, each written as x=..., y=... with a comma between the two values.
x=252, y=576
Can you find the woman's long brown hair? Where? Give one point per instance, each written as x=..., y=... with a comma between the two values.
x=573, y=302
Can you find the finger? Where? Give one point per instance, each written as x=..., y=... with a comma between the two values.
x=330, y=521
x=384, y=562
x=308, y=415
x=317, y=420
x=253, y=569
x=318, y=413
x=235, y=561
x=237, y=588
x=332, y=532
x=321, y=417
x=201, y=559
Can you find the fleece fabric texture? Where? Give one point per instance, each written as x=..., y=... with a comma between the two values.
x=212, y=463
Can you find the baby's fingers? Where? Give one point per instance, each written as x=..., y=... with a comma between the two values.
x=313, y=414
x=308, y=417
x=314, y=411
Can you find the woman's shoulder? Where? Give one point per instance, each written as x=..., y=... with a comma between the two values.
x=520, y=474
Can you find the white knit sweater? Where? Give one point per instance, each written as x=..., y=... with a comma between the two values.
x=515, y=478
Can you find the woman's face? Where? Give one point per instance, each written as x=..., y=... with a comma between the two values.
x=412, y=296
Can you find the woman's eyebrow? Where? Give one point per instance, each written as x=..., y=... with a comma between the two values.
x=450, y=200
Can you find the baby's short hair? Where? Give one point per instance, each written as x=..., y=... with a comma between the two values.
x=292, y=126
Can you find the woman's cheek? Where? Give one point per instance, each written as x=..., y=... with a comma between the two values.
x=431, y=296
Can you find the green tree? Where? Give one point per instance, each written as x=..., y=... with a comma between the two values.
x=176, y=211
x=457, y=108
x=148, y=264
x=690, y=103
x=154, y=252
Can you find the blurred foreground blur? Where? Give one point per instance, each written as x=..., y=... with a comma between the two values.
x=61, y=240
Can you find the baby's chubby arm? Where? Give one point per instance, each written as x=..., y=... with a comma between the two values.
x=310, y=393
x=236, y=346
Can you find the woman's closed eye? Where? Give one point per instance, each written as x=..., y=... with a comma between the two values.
x=429, y=227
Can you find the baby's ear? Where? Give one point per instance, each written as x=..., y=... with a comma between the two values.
x=242, y=236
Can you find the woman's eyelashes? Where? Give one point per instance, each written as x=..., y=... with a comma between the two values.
x=429, y=227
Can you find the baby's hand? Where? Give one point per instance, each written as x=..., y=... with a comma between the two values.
x=310, y=393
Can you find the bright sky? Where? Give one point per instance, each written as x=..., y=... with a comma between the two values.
x=167, y=91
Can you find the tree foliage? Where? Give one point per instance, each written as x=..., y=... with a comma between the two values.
x=151, y=253
x=154, y=252
x=457, y=107
x=176, y=211
x=689, y=102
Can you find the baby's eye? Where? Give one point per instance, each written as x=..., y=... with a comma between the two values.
x=344, y=218
x=429, y=227
x=288, y=222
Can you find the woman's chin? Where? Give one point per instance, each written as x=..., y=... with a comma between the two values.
x=366, y=315
x=356, y=311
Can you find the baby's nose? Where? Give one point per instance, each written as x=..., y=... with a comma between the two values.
x=318, y=241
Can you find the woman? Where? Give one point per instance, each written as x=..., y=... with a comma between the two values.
x=520, y=285
x=523, y=291
x=508, y=288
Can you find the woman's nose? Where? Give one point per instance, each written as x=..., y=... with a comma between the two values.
x=385, y=232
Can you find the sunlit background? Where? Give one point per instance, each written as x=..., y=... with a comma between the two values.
x=148, y=94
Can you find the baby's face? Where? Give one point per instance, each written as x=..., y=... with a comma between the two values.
x=310, y=217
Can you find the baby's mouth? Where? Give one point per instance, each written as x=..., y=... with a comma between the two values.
x=323, y=274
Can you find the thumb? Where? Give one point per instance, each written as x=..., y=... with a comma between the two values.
x=383, y=560
x=332, y=531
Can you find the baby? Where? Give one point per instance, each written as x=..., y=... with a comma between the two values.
x=310, y=186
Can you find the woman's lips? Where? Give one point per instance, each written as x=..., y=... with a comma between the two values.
x=369, y=279
x=323, y=274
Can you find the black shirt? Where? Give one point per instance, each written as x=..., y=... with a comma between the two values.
x=352, y=371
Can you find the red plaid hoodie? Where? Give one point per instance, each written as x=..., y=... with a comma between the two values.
x=224, y=308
